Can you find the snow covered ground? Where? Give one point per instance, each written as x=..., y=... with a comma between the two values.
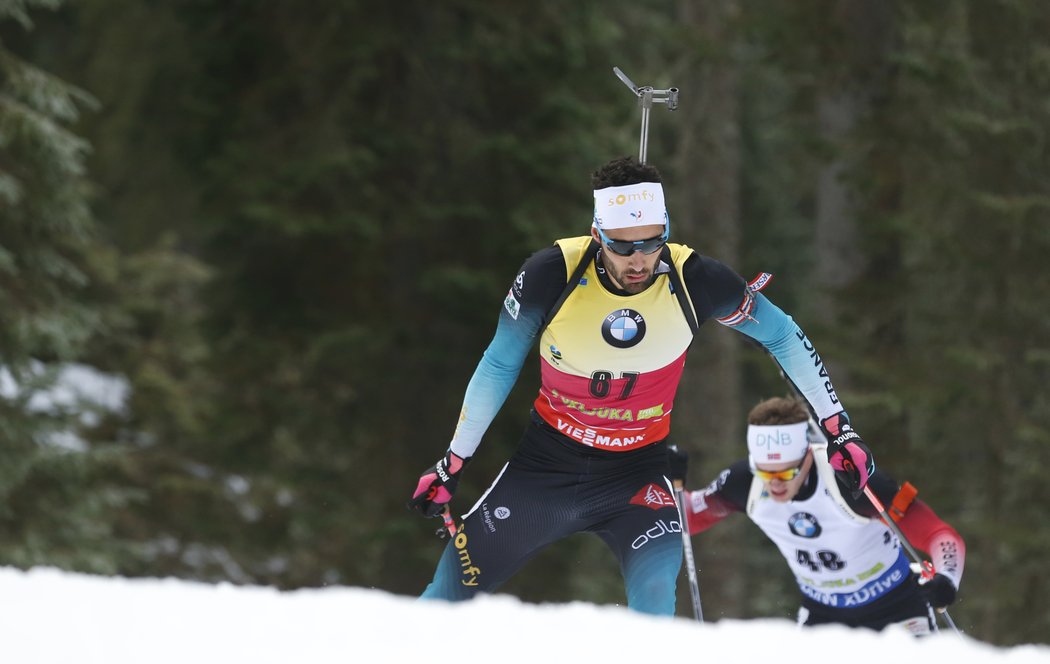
x=52, y=616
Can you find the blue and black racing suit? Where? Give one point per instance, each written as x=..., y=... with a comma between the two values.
x=593, y=456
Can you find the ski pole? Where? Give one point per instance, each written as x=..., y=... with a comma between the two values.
x=647, y=96
x=925, y=565
x=687, y=546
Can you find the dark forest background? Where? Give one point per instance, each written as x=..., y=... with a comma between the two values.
x=288, y=228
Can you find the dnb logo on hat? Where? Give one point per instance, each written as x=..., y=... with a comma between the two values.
x=623, y=328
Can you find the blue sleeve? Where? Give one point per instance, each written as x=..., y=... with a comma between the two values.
x=787, y=343
x=534, y=291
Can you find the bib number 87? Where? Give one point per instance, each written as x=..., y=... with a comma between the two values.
x=601, y=383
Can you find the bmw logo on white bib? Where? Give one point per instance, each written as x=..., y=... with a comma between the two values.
x=804, y=524
x=623, y=328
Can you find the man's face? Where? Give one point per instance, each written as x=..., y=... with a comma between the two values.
x=631, y=273
x=780, y=490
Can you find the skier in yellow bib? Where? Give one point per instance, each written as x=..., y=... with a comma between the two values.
x=615, y=312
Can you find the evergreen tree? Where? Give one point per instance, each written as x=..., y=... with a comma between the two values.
x=955, y=348
x=55, y=506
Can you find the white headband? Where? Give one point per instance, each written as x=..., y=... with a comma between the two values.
x=777, y=443
x=631, y=205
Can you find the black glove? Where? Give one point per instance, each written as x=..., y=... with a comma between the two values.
x=678, y=460
x=437, y=484
x=847, y=453
x=938, y=592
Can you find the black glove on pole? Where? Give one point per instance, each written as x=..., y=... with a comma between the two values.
x=678, y=460
x=939, y=591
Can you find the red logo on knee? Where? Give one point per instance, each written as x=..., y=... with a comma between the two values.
x=653, y=497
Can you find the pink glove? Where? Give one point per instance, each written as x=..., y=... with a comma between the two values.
x=437, y=484
x=847, y=453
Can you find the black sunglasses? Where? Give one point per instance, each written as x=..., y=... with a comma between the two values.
x=628, y=247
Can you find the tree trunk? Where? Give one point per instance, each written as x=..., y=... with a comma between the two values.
x=706, y=215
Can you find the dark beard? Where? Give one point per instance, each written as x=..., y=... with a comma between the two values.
x=616, y=278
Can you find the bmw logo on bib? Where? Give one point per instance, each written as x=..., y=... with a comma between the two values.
x=804, y=524
x=623, y=328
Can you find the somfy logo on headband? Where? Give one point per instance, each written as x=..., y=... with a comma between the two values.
x=623, y=199
x=629, y=205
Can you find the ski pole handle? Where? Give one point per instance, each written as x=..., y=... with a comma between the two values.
x=448, y=529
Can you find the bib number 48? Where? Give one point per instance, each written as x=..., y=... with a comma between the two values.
x=827, y=559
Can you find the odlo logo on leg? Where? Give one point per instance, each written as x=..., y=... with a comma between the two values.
x=659, y=530
x=469, y=571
